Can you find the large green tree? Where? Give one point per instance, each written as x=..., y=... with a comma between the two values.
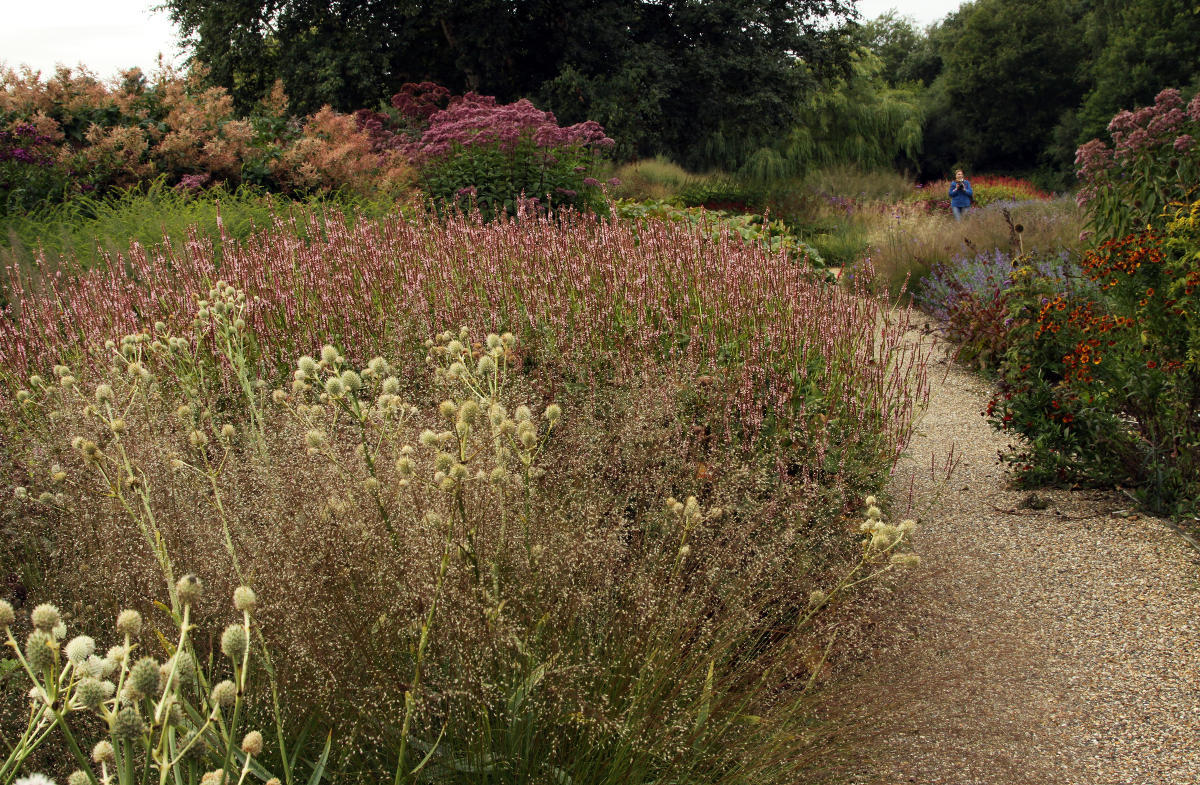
x=706, y=81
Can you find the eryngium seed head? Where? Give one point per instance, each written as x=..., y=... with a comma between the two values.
x=188, y=589
x=127, y=725
x=90, y=692
x=80, y=648
x=244, y=598
x=352, y=381
x=252, y=743
x=224, y=694
x=234, y=642
x=7, y=615
x=143, y=676
x=129, y=622
x=78, y=777
x=45, y=617
x=329, y=354
x=39, y=650
x=103, y=752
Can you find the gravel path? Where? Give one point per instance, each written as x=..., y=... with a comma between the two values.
x=1032, y=646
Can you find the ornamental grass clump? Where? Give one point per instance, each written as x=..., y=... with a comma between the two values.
x=470, y=574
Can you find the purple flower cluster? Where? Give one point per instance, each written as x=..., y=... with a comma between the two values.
x=193, y=182
x=25, y=145
x=478, y=120
x=418, y=101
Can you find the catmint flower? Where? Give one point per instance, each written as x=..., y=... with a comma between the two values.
x=244, y=598
x=252, y=743
x=104, y=393
x=45, y=617
x=7, y=615
x=103, y=752
x=234, y=642
x=127, y=725
x=553, y=412
x=39, y=650
x=224, y=694
x=129, y=622
x=80, y=648
x=90, y=692
x=143, y=677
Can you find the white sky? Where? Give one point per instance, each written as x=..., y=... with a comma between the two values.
x=110, y=35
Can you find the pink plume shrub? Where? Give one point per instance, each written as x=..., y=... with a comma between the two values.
x=478, y=153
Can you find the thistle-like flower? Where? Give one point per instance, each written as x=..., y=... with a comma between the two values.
x=335, y=387
x=80, y=648
x=45, y=617
x=103, y=752
x=90, y=692
x=234, y=642
x=252, y=743
x=143, y=677
x=553, y=412
x=40, y=648
x=224, y=694
x=315, y=439
x=127, y=725
x=188, y=589
x=244, y=598
x=329, y=355
x=104, y=393
x=7, y=614
x=129, y=622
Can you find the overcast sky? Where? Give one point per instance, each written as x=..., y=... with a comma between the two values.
x=109, y=35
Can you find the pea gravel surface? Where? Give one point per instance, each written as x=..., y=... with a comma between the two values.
x=1044, y=639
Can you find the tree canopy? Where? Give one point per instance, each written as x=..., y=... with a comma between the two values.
x=706, y=82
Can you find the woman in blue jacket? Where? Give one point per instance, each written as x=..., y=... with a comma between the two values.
x=960, y=195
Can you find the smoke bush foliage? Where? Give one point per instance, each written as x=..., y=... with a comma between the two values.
x=478, y=153
x=471, y=570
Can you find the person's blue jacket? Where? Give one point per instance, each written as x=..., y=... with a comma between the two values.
x=960, y=197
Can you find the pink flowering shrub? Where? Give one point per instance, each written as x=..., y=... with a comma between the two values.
x=1152, y=163
x=500, y=157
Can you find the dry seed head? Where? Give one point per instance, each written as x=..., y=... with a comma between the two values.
x=874, y=513
x=224, y=694
x=35, y=381
x=315, y=439
x=117, y=425
x=462, y=428
x=78, y=777
x=553, y=412
x=306, y=365
x=80, y=648
x=244, y=598
x=907, y=525
x=468, y=411
x=508, y=339
x=905, y=559
x=188, y=589
x=39, y=650
x=103, y=752
x=817, y=598
x=428, y=438
x=90, y=692
x=523, y=414
x=493, y=341
x=378, y=366
x=279, y=397
x=404, y=466
x=197, y=439
x=67, y=381
x=455, y=348
x=23, y=396
x=391, y=385
x=127, y=725
x=184, y=412
x=871, y=501
x=457, y=370
x=20, y=493
x=45, y=617
x=234, y=642
x=215, y=777
x=371, y=485
x=7, y=615
x=486, y=365
x=228, y=431
x=129, y=622
x=104, y=393
x=143, y=677
x=61, y=371
x=252, y=743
